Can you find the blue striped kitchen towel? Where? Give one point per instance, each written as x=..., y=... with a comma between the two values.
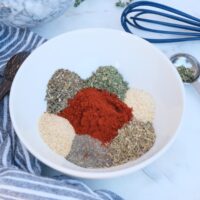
x=20, y=172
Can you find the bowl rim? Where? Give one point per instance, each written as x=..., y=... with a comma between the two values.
x=109, y=174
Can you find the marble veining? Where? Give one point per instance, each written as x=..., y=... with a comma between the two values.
x=29, y=13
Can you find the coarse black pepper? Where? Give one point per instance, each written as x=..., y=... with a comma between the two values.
x=88, y=152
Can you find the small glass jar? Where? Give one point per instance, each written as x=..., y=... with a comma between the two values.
x=29, y=13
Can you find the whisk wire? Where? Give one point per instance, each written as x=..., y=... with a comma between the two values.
x=176, y=18
x=184, y=27
x=167, y=15
x=189, y=23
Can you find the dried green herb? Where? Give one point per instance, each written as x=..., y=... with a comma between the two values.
x=187, y=74
x=89, y=153
x=123, y=3
x=120, y=3
x=63, y=85
x=108, y=78
x=78, y=2
x=132, y=141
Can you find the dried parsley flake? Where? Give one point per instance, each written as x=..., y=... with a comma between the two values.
x=63, y=85
x=108, y=78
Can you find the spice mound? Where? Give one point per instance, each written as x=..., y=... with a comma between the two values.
x=108, y=78
x=97, y=113
x=142, y=103
x=63, y=85
x=99, y=122
x=134, y=139
x=89, y=152
x=57, y=133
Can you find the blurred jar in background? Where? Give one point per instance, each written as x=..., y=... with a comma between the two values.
x=29, y=13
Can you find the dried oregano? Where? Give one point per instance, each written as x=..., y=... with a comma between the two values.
x=63, y=85
x=123, y=3
x=133, y=140
x=108, y=78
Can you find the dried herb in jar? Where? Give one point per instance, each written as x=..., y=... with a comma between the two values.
x=63, y=85
x=108, y=78
x=187, y=74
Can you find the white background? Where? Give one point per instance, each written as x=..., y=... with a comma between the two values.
x=175, y=175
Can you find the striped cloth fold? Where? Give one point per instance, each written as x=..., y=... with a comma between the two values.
x=20, y=172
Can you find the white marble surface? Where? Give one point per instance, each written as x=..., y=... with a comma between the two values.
x=176, y=174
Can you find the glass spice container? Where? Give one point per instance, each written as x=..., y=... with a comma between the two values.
x=29, y=13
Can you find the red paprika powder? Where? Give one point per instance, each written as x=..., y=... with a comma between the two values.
x=97, y=113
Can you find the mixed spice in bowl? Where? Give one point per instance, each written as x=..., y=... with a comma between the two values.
x=96, y=103
x=98, y=122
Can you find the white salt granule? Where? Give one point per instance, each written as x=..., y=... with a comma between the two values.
x=57, y=133
x=142, y=103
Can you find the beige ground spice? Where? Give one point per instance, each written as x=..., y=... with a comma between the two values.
x=142, y=103
x=57, y=133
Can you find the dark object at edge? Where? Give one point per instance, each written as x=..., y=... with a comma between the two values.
x=11, y=69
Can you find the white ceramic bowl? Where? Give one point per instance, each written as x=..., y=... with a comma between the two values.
x=141, y=64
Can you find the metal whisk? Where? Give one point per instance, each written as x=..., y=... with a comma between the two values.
x=184, y=27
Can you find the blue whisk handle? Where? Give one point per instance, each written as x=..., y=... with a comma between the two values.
x=187, y=30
